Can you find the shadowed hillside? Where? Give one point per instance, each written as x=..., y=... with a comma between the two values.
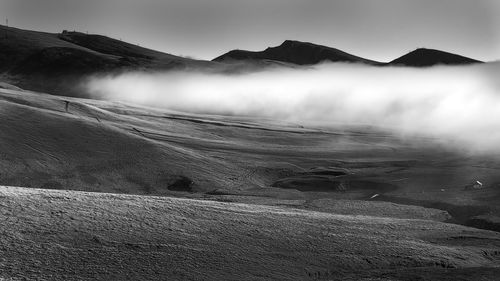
x=106, y=45
x=55, y=62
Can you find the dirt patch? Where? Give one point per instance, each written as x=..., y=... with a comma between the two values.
x=52, y=185
x=329, y=171
x=473, y=216
x=182, y=184
x=316, y=183
x=484, y=222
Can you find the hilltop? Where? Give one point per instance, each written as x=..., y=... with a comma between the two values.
x=296, y=52
x=55, y=62
x=428, y=57
x=304, y=53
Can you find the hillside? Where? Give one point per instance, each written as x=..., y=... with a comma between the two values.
x=55, y=62
x=106, y=45
x=59, y=142
x=296, y=52
x=68, y=235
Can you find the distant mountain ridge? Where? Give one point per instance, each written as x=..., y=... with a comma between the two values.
x=428, y=57
x=304, y=53
x=296, y=52
x=57, y=62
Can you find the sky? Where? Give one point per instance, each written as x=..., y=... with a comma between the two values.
x=375, y=29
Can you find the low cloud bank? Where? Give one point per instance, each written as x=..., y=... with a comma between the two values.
x=456, y=103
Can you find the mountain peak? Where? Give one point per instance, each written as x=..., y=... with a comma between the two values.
x=287, y=43
x=296, y=52
x=422, y=57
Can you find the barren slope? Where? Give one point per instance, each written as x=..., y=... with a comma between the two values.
x=115, y=147
x=61, y=235
x=56, y=62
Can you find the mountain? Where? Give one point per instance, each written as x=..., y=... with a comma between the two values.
x=303, y=53
x=296, y=52
x=428, y=57
x=311, y=227
x=55, y=62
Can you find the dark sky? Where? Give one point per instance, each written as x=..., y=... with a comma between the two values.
x=375, y=29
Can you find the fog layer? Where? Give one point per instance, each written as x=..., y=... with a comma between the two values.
x=460, y=104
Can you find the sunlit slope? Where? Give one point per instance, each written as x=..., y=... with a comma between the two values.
x=61, y=235
x=104, y=146
x=87, y=148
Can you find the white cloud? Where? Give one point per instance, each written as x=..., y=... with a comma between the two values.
x=456, y=103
